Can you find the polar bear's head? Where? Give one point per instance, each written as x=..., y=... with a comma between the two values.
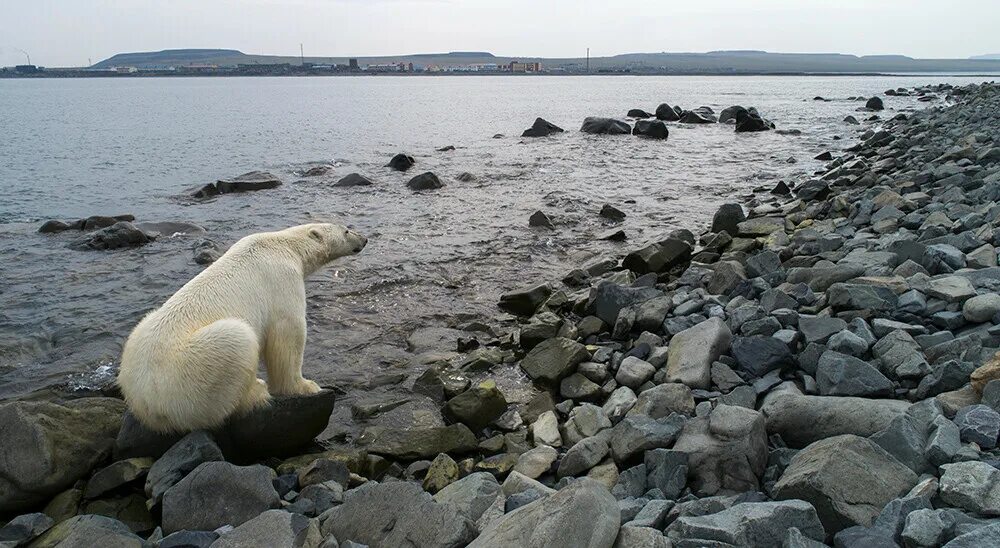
x=324, y=242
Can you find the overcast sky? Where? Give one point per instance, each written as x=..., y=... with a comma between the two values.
x=69, y=32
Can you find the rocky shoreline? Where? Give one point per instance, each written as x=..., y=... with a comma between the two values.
x=819, y=371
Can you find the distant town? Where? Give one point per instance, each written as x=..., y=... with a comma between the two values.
x=230, y=62
x=281, y=69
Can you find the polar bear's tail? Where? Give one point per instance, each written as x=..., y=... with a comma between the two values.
x=214, y=376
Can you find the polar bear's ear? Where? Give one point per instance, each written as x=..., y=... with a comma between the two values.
x=316, y=235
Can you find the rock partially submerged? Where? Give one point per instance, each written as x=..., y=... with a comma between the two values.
x=541, y=128
x=248, y=182
x=353, y=179
x=120, y=235
x=401, y=162
x=425, y=181
x=654, y=129
x=605, y=126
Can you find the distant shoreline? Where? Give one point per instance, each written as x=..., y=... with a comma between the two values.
x=90, y=74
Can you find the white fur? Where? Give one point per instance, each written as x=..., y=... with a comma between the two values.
x=193, y=362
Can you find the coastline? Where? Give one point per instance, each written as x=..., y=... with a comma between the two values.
x=683, y=360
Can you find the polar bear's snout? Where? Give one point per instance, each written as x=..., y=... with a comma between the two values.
x=359, y=240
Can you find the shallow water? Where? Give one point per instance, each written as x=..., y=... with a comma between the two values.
x=79, y=147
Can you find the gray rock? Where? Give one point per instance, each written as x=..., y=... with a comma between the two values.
x=981, y=308
x=666, y=470
x=397, y=514
x=901, y=440
x=605, y=126
x=353, y=179
x=323, y=470
x=20, y=530
x=48, y=446
x=640, y=537
x=693, y=351
x=478, y=406
x=761, y=355
x=638, y=433
x=216, y=494
x=973, y=486
x=988, y=535
x=848, y=343
x=545, y=430
x=900, y=356
x=861, y=537
x=475, y=496
x=652, y=514
x=943, y=441
x=796, y=539
x=842, y=375
x=190, y=539
x=727, y=450
x=90, y=531
x=664, y=399
x=631, y=483
x=801, y=420
x=119, y=235
x=553, y=360
x=116, y=475
x=619, y=403
x=583, y=514
x=584, y=420
x=419, y=443
x=924, y=529
x=273, y=528
x=979, y=424
x=848, y=479
x=190, y=452
x=524, y=302
x=610, y=299
x=633, y=372
x=323, y=496
x=583, y=456
x=750, y=525
x=953, y=289
x=819, y=329
x=847, y=296
x=536, y=461
x=425, y=181
x=579, y=387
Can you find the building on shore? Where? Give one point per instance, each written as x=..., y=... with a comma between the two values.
x=389, y=67
x=518, y=66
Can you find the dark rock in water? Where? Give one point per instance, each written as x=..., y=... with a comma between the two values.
x=317, y=171
x=541, y=128
x=53, y=226
x=477, y=406
x=48, y=446
x=727, y=218
x=206, y=252
x=101, y=221
x=813, y=190
x=216, y=494
x=540, y=219
x=851, y=120
x=397, y=514
x=119, y=235
x=448, y=148
x=401, y=162
x=91, y=530
x=653, y=129
x=781, y=189
x=731, y=114
x=874, y=104
x=353, y=179
x=280, y=429
x=639, y=113
x=614, y=236
x=248, y=182
x=425, y=181
x=612, y=213
x=824, y=156
x=658, y=257
x=526, y=301
x=667, y=113
x=605, y=126
x=750, y=122
x=819, y=98
x=466, y=177
x=700, y=115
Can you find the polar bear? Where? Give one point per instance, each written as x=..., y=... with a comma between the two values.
x=193, y=362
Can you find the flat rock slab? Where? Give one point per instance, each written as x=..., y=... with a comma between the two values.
x=801, y=420
x=279, y=430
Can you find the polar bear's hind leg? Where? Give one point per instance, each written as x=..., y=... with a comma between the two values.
x=220, y=367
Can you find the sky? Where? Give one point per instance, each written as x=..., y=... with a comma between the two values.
x=75, y=32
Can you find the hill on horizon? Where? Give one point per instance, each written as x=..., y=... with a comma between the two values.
x=988, y=56
x=714, y=62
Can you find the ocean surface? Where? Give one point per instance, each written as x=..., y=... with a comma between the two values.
x=79, y=147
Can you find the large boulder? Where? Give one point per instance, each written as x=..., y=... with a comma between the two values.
x=748, y=525
x=658, y=257
x=653, y=129
x=973, y=486
x=748, y=122
x=477, y=406
x=48, y=446
x=554, y=359
x=727, y=450
x=541, y=128
x=842, y=375
x=849, y=479
x=524, y=302
x=605, y=126
x=401, y=162
x=610, y=299
x=638, y=113
x=189, y=453
x=729, y=114
x=216, y=494
x=727, y=218
x=692, y=352
x=353, y=179
x=425, y=181
x=667, y=113
x=875, y=103
x=247, y=182
x=476, y=496
x=386, y=515
x=700, y=115
x=280, y=429
x=580, y=515
x=801, y=420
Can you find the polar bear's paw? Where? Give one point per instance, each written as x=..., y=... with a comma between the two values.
x=306, y=387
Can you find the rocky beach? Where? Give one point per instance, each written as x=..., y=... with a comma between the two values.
x=814, y=367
